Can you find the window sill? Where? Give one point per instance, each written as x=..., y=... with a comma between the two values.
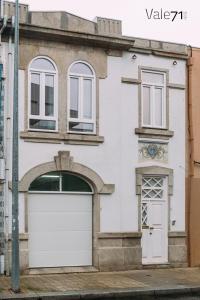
x=154, y=133
x=58, y=138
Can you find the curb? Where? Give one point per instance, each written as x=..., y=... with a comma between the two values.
x=109, y=294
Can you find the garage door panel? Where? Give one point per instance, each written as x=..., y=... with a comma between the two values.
x=60, y=230
x=62, y=222
x=60, y=240
x=72, y=202
x=54, y=259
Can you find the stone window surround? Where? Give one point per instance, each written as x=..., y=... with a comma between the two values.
x=153, y=132
x=64, y=162
x=153, y=171
x=62, y=136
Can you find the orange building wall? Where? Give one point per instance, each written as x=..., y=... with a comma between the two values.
x=194, y=185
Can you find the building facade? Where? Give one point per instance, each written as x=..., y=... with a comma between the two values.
x=101, y=146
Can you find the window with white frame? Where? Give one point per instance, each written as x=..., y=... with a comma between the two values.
x=153, y=99
x=42, y=95
x=81, y=98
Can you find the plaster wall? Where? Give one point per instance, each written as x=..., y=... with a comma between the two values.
x=115, y=160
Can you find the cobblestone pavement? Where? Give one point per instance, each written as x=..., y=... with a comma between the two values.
x=101, y=281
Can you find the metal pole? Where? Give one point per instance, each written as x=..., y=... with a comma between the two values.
x=15, y=278
x=1, y=7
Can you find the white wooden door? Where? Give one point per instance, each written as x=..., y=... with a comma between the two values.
x=154, y=216
x=60, y=230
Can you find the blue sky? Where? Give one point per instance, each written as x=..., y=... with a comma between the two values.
x=134, y=16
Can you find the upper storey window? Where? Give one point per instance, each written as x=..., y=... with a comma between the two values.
x=42, y=94
x=81, y=112
x=153, y=99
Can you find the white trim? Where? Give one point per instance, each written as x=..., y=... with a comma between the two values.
x=57, y=192
x=153, y=86
x=80, y=119
x=41, y=115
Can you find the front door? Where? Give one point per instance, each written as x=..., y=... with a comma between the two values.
x=154, y=216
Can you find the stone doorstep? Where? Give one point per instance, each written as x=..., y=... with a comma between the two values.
x=109, y=294
x=49, y=271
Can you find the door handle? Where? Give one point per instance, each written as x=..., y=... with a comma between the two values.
x=145, y=227
x=151, y=228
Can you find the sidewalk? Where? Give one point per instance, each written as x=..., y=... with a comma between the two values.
x=105, y=284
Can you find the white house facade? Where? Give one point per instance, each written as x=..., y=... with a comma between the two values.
x=102, y=133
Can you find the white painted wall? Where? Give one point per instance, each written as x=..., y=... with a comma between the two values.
x=116, y=159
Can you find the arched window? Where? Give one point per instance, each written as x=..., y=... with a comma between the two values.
x=42, y=94
x=81, y=112
x=60, y=182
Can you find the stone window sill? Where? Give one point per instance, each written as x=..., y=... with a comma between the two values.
x=57, y=138
x=154, y=133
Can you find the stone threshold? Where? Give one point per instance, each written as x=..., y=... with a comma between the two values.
x=120, y=235
x=60, y=270
x=170, y=265
x=157, y=266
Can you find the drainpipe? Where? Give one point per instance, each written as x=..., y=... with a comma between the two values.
x=190, y=150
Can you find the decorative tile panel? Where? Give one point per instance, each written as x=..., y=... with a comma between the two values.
x=153, y=151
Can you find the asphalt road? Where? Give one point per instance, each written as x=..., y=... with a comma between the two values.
x=163, y=298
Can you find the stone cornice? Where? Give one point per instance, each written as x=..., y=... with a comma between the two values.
x=85, y=39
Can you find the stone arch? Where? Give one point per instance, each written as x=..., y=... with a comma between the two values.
x=64, y=162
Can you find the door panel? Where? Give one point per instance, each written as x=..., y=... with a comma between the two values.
x=154, y=221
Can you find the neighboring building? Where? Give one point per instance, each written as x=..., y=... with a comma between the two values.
x=194, y=154
x=102, y=145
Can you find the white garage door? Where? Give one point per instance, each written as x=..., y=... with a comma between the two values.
x=60, y=230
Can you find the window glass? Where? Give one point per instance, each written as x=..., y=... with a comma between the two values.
x=146, y=105
x=74, y=94
x=87, y=98
x=74, y=184
x=81, y=68
x=158, y=107
x=42, y=124
x=49, y=95
x=46, y=182
x=154, y=78
x=42, y=64
x=60, y=181
x=81, y=127
x=35, y=94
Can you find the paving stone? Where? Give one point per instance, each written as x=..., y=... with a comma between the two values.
x=100, y=283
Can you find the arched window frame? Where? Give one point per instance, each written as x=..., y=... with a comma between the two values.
x=80, y=118
x=60, y=190
x=41, y=116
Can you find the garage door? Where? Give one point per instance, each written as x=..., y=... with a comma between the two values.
x=60, y=229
